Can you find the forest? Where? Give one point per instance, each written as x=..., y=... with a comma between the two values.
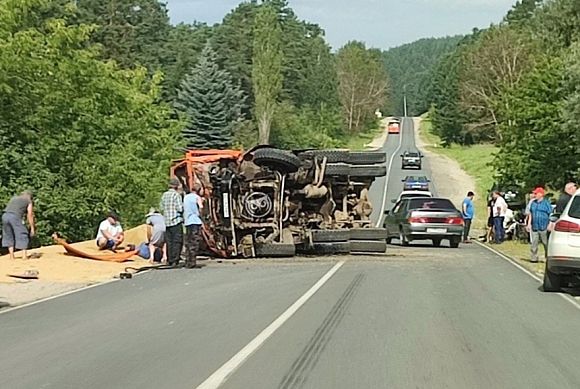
x=98, y=96
x=516, y=85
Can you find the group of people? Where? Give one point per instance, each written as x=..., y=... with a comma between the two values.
x=537, y=216
x=178, y=212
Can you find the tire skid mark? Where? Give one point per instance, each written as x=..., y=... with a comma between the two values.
x=308, y=358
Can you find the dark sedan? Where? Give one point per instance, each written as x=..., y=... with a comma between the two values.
x=417, y=218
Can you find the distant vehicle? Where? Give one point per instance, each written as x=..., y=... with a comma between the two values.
x=394, y=126
x=412, y=193
x=411, y=159
x=416, y=183
x=563, y=262
x=513, y=195
x=420, y=218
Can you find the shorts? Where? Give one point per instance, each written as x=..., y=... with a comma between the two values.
x=157, y=238
x=14, y=232
x=110, y=244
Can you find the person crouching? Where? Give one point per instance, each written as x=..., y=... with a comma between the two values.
x=110, y=234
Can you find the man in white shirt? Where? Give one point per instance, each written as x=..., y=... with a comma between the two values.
x=110, y=234
x=499, y=210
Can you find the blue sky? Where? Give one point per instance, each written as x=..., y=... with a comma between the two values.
x=379, y=23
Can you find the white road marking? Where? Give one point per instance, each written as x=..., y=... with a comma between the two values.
x=379, y=222
x=227, y=369
x=566, y=297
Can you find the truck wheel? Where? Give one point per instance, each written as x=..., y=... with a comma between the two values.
x=368, y=171
x=330, y=248
x=332, y=155
x=276, y=250
x=281, y=160
x=552, y=281
x=337, y=169
x=368, y=234
x=367, y=157
x=368, y=246
x=339, y=235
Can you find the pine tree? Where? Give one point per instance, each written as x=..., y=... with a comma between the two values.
x=211, y=104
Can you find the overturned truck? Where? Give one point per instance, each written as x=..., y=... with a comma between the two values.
x=269, y=202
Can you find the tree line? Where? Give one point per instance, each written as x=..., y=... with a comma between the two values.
x=516, y=85
x=98, y=96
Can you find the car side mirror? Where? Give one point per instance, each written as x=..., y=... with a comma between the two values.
x=387, y=212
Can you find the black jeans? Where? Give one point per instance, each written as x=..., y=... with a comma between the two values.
x=466, y=228
x=174, y=241
x=192, y=237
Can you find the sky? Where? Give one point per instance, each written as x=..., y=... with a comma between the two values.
x=379, y=23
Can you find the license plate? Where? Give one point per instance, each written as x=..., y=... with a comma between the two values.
x=436, y=230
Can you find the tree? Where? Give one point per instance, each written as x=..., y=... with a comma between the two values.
x=522, y=12
x=362, y=84
x=211, y=104
x=85, y=135
x=267, y=69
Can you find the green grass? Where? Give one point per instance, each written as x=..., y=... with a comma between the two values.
x=359, y=141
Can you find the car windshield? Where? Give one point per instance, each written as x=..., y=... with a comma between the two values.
x=412, y=154
x=575, y=208
x=419, y=203
x=416, y=179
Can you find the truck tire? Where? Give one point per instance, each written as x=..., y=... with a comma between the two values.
x=552, y=281
x=337, y=169
x=368, y=234
x=367, y=157
x=281, y=160
x=275, y=250
x=332, y=155
x=368, y=171
x=330, y=248
x=368, y=246
x=342, y=235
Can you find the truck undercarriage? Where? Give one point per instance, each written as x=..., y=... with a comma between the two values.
x=269, y=202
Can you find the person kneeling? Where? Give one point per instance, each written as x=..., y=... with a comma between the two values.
x=110, y=234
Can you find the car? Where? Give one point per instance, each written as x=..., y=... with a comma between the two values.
x=420, y=218
x=411, y=159
x=412, y=193
x=394, y=127
x=513, y=194
x=415, y=183
x=563, y=260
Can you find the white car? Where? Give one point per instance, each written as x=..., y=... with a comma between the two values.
x=412, y=193
x=563, y=262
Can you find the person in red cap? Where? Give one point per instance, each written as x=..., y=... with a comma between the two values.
x=538, y=222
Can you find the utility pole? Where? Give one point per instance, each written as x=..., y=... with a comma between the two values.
x=405, y=99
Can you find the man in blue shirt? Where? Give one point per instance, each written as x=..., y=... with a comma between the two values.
x=468, y=211
x=538, y=221
x=192, y=206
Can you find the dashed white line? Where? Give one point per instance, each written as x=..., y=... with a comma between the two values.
x=227, y=369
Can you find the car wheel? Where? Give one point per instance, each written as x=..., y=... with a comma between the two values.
x=454, y=242
x=436, y=242
x=403, y=239
x=552, y=281
x=389, y=240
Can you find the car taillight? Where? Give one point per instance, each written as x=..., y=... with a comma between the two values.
x=454, y=220
x=567, y=226
x=418, y=220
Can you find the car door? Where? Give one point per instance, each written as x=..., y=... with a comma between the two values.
x=400, y=215
x=390, y=220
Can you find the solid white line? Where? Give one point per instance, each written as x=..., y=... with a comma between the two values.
x=383, y=207
x=534, y=276
x=221, y=375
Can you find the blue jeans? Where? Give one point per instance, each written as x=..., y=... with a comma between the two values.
x=498, y=230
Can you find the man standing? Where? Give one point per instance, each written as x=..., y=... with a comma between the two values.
x=156, y=236
x=565, y=197
x=172, y=207
x=467, y=210
x=538, y=222
x=110, y=234
x=192, y=206
x=14, y=232
x=499, y=210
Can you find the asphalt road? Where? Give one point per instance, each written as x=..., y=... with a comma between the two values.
x=417, y=317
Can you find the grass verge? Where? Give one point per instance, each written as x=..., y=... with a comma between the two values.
x=359, y=141
x=476, y=161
